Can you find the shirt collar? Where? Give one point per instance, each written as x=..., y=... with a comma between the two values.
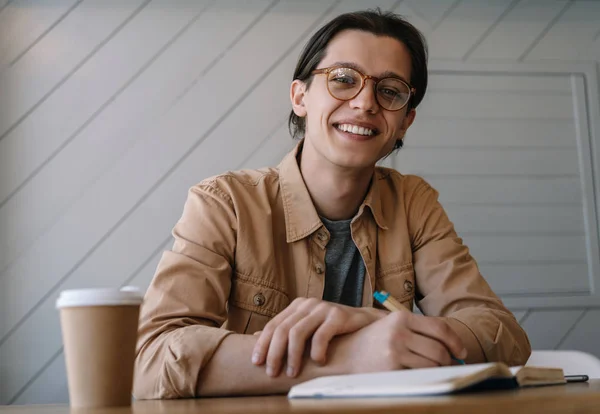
x=373, y=198
x=301, y=218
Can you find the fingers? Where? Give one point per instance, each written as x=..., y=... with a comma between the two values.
x=413, y=360
x=298, y=336
x=439, y=330
x=321, y=338
x=259, y=353
x=284, y=338
x=419, y=341
x=278, y=346
x=323, y=324
x=432, y=350
x=335, y=324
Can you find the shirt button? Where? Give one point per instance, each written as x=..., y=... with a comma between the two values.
x=259, y=299
x=408, y=286
x=321, y=236
x=319, y=269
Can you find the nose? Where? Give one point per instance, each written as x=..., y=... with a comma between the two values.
x=366, y=98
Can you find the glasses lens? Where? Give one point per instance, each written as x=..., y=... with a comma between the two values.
x=392, y=94
x=344, y=83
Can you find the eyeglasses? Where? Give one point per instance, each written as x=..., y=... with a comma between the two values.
x=346, y=83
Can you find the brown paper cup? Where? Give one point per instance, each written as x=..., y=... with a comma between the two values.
x=99, y=328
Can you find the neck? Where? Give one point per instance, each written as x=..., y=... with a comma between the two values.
x=337, y=192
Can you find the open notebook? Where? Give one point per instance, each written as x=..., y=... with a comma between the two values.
x=427, y=381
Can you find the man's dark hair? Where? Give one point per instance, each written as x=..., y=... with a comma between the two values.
x=373, y=21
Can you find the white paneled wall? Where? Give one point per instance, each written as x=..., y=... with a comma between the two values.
x=110, y=110
x=516, y=194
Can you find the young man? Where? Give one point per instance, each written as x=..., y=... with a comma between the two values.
x=271, y=277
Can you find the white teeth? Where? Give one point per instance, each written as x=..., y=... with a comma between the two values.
x=355, y=129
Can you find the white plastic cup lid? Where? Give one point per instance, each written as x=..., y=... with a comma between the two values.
x=129, y=295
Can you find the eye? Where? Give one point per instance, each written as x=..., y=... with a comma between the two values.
x=389, y=93
x=345, y=79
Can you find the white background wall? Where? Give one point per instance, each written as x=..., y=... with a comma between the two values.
x=111, y=109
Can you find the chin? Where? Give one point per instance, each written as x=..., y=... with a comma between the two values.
x=355, y=157
x=353, y=161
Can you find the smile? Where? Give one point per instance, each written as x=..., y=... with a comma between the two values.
x=355, y=129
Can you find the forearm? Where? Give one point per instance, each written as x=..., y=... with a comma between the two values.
x=230, y=370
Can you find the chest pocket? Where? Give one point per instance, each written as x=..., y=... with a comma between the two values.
x=252, y=303
x=399, y=282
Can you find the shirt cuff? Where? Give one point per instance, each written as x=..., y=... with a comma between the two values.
x=189, y=350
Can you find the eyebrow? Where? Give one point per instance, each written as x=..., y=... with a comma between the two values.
x=386, y=74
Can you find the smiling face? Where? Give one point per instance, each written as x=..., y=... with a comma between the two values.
x=358, y=132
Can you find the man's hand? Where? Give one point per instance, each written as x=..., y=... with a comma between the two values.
x=398, y=341
x=284, y=338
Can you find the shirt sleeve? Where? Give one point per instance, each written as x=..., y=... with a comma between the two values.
x=185, y=305
x=449, y=285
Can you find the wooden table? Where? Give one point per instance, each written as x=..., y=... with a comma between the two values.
x=581, y=398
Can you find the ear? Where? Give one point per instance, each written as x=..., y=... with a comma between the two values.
x=297, y=92
x=407, y=122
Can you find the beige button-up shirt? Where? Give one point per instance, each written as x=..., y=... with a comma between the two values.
x=249, y=242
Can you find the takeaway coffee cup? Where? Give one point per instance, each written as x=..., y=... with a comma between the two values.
x=99, y=329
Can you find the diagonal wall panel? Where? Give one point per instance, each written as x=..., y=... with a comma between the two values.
x=3, y=4
x=519, y=28
x=520, y=315
x=49, y=388
x=572, y=36
x=124, y=120
x=272, y=149
x=49, y=64
x=546, y=328
x=433, y=12
x=584, y=335
x=82, y=123
x=23, y=24
x=463, y=26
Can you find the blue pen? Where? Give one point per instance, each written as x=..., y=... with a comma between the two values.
x=393, y=305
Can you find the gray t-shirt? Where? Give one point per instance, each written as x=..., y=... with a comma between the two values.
x=344, y=267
